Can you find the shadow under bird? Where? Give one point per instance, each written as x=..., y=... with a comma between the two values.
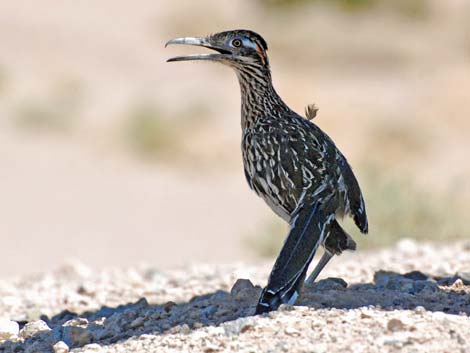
x=290, y=163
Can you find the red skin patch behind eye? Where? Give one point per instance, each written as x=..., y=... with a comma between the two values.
x=260, y=52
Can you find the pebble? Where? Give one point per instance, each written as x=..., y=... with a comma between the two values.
x=240, y=285
x=239, y=326
x=395, y=325
x=412, y=282
x=382, y=278
x=168, y=306
x=32, y=328
x=458, y=284
x=137, y=322
x=60, y=347
x=291, y=331
x=244, y=290
x=76, y=336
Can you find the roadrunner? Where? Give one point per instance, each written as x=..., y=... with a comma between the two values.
x=290, y=163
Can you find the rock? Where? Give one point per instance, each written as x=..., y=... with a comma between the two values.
x=393, y=281
x=463, y=277
x=78, y=321
x=8, y=329
x=382, y=278
x=209, y=311
x=39, y=347
x=238, y=326
x=137, y=322
x=446, y=281
x=291, y=331
x=244, y=291
x=220, y=294
x=168, y=306
x=419, y=286
x=32, y=328
x=395, y=325
x=416, y=276
x=140, y=304
x=241, y=285
x=76, y=336
x=331, y=283
x=60, y=347
x=458, y=284
x=183, y=329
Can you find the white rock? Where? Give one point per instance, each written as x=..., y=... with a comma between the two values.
x=33, y=327
x=60, y=347
x=8, y=329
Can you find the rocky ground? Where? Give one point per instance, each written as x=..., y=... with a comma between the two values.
x=408, y=298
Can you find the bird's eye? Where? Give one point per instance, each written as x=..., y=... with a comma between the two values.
x=237, y=43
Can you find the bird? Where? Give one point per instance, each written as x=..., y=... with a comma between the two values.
x=289, y=162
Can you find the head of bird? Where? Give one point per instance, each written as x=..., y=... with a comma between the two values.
x=238, y=49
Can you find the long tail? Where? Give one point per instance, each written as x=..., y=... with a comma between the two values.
x=307, y=230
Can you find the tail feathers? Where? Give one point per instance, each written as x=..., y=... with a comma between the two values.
x=360, y=217
x=270, y=300
x=356, y=201
x=306, y=234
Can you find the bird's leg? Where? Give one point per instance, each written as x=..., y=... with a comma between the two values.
x=336, y=242
x=320, y=265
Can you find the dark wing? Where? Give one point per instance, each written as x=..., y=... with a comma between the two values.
x=302, y=159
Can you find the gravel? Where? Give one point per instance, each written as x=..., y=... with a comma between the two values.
x=412, y=297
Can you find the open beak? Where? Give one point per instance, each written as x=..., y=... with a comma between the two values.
x=201, y=42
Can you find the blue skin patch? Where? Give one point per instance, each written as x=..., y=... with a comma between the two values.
x=246, y=43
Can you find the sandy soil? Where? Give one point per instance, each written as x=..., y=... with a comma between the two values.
x=409, y=298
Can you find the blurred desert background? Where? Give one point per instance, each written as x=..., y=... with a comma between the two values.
x=112, y=156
